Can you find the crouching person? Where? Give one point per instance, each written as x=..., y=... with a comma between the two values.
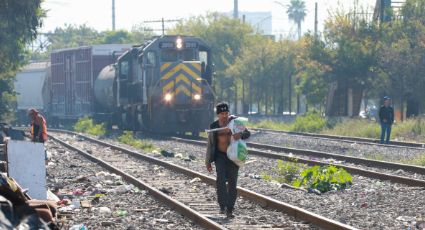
x=227, y=171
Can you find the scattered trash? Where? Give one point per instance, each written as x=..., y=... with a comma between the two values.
x=121, y=213
x=161, y=220
x=78, y=192
x=167, y=153
x=165, y=190
x=196, y=179
x=76, y=203
x=105, y=210
x=85, y=204
x=107, y=223
x=123, y=189
x=400, y=171
x=78, y=227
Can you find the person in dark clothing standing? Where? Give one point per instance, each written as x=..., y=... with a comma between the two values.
x=386, y=117
x=227, y=171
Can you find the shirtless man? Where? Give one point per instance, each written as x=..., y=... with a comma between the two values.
x=227, y=171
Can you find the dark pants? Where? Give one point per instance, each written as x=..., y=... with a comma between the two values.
x=385, y=129
x=226, y=171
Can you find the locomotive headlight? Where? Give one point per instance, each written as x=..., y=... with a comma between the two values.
x=179, y=43
x=197, y=97
x=168, y=97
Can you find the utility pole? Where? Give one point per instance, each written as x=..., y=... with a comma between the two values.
x=113, y=15
x=235, y=9
x=163, y=21
x=316, y=22
x=243, y=80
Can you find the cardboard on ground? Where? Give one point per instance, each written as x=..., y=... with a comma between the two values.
x=26, y=165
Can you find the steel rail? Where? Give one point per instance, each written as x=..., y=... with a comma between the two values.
x=361, y=140
x=355, y=170
x=264, y=201
x=165, y=199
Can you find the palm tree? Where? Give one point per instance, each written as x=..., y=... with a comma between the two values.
x=296, y=12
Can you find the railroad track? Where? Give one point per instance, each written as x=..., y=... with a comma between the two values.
x=360, y=140
x=264, y=151
x=182, y=189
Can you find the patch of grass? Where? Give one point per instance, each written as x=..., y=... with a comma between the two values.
x=86, y=125
x=418, y=160
x=268, y=124
x=128, y=138
x=309, y=122
x=356, y=128
x=410, y=130
x=375, y=156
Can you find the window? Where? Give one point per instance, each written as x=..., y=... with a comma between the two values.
x=203, y=56
x=124, y=69
x=168, y=55
x=151, y=58
x=188, y=55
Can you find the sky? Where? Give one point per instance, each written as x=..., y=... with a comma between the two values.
x=98, y=13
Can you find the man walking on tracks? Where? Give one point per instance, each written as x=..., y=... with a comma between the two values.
x=227, y=171
x=386, y=117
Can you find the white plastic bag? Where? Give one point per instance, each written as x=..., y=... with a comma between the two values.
x=237, y=152
x=238, y=125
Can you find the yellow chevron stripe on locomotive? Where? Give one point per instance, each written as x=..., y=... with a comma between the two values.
x=181, y=78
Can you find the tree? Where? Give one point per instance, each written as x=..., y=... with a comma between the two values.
x=296, y=12
x=227, y=37
x=19, y=21
x=314, y=69
x=402, y=53
x=72, y=36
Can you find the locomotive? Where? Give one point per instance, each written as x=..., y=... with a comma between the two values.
x=163, y=85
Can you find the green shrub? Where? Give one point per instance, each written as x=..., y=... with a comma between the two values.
x=324, y=178
x=128, y=138
x=310, y=122
x=86, y=125
x=83, y=124
x=286, y=171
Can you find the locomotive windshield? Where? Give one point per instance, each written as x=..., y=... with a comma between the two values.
x=173, y=55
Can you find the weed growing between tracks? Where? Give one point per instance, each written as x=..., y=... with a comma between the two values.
x=418, y=160
x=324, y=179
x=286, y=172
x=86, y=125
x=317, y=179
x=128, y=138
